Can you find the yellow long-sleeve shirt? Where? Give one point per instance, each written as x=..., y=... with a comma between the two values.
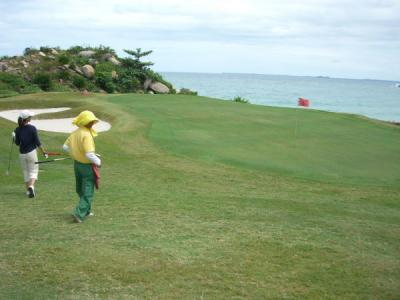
x=79, y=143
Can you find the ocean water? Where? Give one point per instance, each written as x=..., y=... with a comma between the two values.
x=372, y=98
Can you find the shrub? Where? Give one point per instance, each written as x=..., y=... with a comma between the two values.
x=30, y=89
x=91, y=87
x=240, y=100
x=43, y=80
x=14, y=81
x=63, y=59
x=64, y=75
x=128, y=84
x=105, y=67
x=75, y=49
x=58, y=87
x=79, y=82
x=80, y=60
x=105, y=81
x=184, y=91
x=45, y=49
x=109, y=87
x=29, y=51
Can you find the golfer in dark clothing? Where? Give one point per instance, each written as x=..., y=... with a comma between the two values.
x=26, y=137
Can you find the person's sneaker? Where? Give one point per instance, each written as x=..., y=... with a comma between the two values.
x=90, y=214
x=31, y=192
x=77, y=219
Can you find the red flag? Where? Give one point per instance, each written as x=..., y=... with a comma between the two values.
x=303, y=102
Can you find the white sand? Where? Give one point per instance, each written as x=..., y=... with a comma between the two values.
x=53, y=125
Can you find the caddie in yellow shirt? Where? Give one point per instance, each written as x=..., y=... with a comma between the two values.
x=81, y=147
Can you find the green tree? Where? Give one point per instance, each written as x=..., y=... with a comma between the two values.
x=138, y=54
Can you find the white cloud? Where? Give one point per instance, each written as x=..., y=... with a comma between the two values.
x=284, y=29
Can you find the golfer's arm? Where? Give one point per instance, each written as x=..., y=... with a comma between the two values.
x=42, y=149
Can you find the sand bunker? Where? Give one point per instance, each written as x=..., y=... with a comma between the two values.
x=53, y=125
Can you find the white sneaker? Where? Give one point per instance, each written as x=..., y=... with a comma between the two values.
x=91, y=214
x=31, y=192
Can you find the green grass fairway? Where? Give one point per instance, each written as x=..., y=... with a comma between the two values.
x=207, y=199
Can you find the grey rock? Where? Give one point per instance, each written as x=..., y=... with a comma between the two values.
x=78, y=70
x=114, y=61
x=107, y=56
x=3, y=66
x=147, y=83
x=87, y=53
x=41, y=54
x=88, y=71
x=159, y=88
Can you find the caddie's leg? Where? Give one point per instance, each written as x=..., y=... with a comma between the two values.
x=86, y=190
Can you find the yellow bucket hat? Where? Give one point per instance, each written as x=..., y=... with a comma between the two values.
x=85, y=118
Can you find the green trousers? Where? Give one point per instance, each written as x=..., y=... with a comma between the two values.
x=84, y=177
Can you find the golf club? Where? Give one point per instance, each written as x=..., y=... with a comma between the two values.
x=51, y=160
x=10, y=156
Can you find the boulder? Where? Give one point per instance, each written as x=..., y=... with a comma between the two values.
x=114, y=75
x=107, y=56
x=54, y=52
x=78, y=70
x=147, y=83
x=25, y=64
x=41, y=54
x=159, y=88
x=114, y=61
x=87, y=53
x=88, y=71
x=3, y=66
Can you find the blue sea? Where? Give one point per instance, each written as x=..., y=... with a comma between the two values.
x=372, y=98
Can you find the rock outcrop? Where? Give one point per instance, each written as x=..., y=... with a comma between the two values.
x=114, y=61
x=87, y=53
x=159, y=88
x=88, y=71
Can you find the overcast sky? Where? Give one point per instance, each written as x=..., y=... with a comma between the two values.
x=350, y=39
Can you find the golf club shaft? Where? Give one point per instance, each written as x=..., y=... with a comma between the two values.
x=51, y=160
x=10, y=156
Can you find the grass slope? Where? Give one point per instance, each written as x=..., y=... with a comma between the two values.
x=208, y=199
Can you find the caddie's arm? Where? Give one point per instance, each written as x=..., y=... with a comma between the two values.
x=93, y=158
